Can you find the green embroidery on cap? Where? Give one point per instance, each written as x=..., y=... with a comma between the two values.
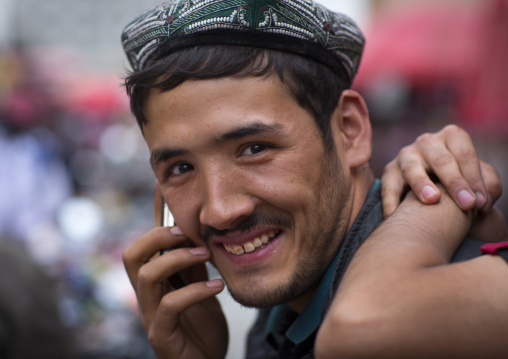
x=302, y=19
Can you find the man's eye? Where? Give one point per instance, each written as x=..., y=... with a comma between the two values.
x=254, y=149
x=180, y=168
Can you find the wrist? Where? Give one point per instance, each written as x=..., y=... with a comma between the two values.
x=441, y=226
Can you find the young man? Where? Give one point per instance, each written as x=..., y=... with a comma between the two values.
x=261, y=151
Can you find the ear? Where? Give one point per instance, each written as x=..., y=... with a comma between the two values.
x=351, y=127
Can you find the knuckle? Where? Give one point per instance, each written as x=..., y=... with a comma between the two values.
x=161, y=231
x=409, y=165
x=425, y=138
x=453, y=130
x=391, y=164
x=406, y=151
x=390, y=169
x=387, y=174
x=442, y=159
x=126, y=256
x=153, y=338
x=466, y=154
x=144, y=275
x=168, y=305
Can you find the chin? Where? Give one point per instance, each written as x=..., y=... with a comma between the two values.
x=253, y=293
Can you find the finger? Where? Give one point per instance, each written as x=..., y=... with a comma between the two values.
x=414, y=171
x=165, y=331
x=153, y=274
x=143, y=249
x=492, y=183
x=441, y=161
x=157, y=204
x=392, y=188
x=462, y=149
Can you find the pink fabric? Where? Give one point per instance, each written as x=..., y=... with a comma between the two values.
x=492, y=248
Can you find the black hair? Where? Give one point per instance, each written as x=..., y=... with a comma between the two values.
x=314, y=86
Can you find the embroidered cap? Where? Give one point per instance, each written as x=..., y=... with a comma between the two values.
x=298, y=26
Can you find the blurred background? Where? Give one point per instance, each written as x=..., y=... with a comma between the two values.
x=75, y=183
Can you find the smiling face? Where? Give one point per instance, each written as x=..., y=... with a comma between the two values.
x=243, y=169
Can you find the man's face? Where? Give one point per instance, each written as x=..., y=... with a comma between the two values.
x=243, y=169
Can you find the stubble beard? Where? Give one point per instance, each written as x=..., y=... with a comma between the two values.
x=326, y=226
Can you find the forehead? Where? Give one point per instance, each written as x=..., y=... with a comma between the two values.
x=200, y=108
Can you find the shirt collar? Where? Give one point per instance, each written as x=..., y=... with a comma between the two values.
x=310, y=319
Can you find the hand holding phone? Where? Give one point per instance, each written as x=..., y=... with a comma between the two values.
x=178, y=319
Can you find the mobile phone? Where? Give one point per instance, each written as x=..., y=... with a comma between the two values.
x=167, y=219
x=179, y=279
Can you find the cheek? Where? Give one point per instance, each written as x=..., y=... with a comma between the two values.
x=186, y=215
x=288, y=182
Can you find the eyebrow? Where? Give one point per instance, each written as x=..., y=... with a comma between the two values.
x=162, y=154
x=255, y=128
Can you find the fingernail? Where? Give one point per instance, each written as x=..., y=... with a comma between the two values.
x=428, y=192
x=465, y=198
x=199, y=251
x=216, y=283
x=176, y=231
x=480, y=199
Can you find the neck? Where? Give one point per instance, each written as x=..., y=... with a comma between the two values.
x=362, y=182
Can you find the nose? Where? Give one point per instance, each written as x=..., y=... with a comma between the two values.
x=226, y=202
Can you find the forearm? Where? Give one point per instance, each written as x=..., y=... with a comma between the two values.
x=399, y=298
x=417, y=235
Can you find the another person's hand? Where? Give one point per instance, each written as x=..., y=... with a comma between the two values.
x=451, y=156
x=180, y=323
x=490, y=225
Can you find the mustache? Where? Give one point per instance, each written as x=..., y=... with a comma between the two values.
x=258, y=219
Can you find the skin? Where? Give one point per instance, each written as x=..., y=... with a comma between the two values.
x=216, y=178
x=258, y=162
x=460, y=308
x=451, y=156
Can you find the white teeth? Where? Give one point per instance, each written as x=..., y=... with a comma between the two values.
x=264, y=239
x=257, y=243
x=249, y=246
